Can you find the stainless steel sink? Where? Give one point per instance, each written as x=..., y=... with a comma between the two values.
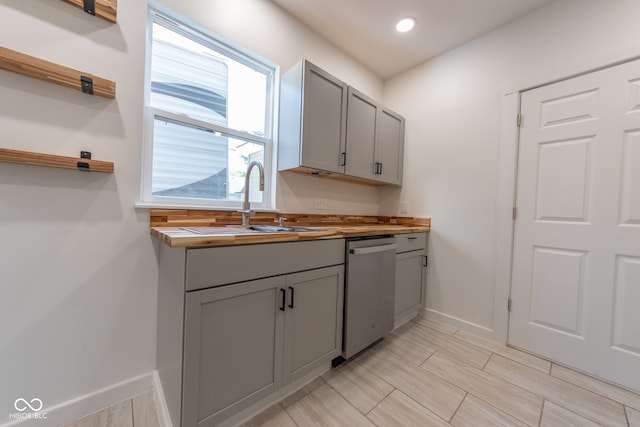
x=237, y=229
x=276, y=229
x=210, y=231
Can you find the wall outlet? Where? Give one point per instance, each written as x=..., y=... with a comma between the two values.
x=404, y=207
x=322, y=204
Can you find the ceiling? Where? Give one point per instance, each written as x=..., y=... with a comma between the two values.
x=365, y=29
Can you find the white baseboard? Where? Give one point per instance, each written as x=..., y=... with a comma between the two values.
x=87, y=404
x=404, y=318
x=161, y=404
x=244, y=415
x=464, y=325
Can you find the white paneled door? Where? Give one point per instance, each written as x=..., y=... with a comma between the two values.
x=576, y=263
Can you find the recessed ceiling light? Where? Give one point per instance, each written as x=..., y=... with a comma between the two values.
x=405, y=24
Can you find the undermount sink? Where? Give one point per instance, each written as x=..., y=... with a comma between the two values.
x=276, y=229
x=237, y=229
x=218, y=230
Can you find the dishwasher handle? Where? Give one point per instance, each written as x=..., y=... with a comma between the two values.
x=373, y=249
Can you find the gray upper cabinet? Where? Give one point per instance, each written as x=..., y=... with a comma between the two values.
x=327, y=126
x=361, y=135
x=375, y=140
x=389, y=146
x=313, y=111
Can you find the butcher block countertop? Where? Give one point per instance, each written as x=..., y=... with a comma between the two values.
x=193, y=229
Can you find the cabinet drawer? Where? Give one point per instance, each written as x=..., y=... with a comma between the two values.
x=411, y=242
x=209, y=267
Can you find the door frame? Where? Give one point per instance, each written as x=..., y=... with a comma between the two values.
x=508, y=172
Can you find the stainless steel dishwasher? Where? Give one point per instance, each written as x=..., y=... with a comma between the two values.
x=369, y=292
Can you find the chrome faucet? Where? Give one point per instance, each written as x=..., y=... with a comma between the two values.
x=246, y=207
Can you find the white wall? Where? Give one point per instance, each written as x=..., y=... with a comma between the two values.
x=453, y=109
x=77, y=268
x=78, y=274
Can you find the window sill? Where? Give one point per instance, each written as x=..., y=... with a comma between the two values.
x=155, y=205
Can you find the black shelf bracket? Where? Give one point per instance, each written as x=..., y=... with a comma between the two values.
x=90, y=7
x=87, y=84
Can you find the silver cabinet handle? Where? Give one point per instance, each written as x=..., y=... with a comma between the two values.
x=373, y=249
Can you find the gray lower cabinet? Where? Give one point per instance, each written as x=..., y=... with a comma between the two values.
x=245, y=341
x=224, y=347
x=410, y=276
x=232, y=349
x=312, y=320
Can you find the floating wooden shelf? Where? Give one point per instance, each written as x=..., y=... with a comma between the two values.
x=50, y=160
x=53, y=73
x=105, y=9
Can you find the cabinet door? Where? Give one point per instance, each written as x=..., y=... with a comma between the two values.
x=313, y=320
x=389, y=146
x=409, y=274
x=324, y=120
x=232, y=349
x=362, y=114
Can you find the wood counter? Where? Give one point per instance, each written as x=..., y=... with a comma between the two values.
x=222, y=228
x=177, y=237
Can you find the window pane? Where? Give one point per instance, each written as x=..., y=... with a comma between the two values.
x=241, y=153
x=189, y=78
x=192, y=162
x=211, y=106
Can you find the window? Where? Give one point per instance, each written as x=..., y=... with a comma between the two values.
x=209, y=113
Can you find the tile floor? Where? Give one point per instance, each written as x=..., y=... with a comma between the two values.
x=429, y=374
x=139, y=411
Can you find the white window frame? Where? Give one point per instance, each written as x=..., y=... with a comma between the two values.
x=188, y=28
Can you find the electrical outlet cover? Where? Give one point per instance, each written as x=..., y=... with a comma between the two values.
x=322, y=204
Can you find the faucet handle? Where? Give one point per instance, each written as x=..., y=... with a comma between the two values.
x=246, y=214
x=281, y=221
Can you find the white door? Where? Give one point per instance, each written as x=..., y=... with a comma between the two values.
x=576, y=263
